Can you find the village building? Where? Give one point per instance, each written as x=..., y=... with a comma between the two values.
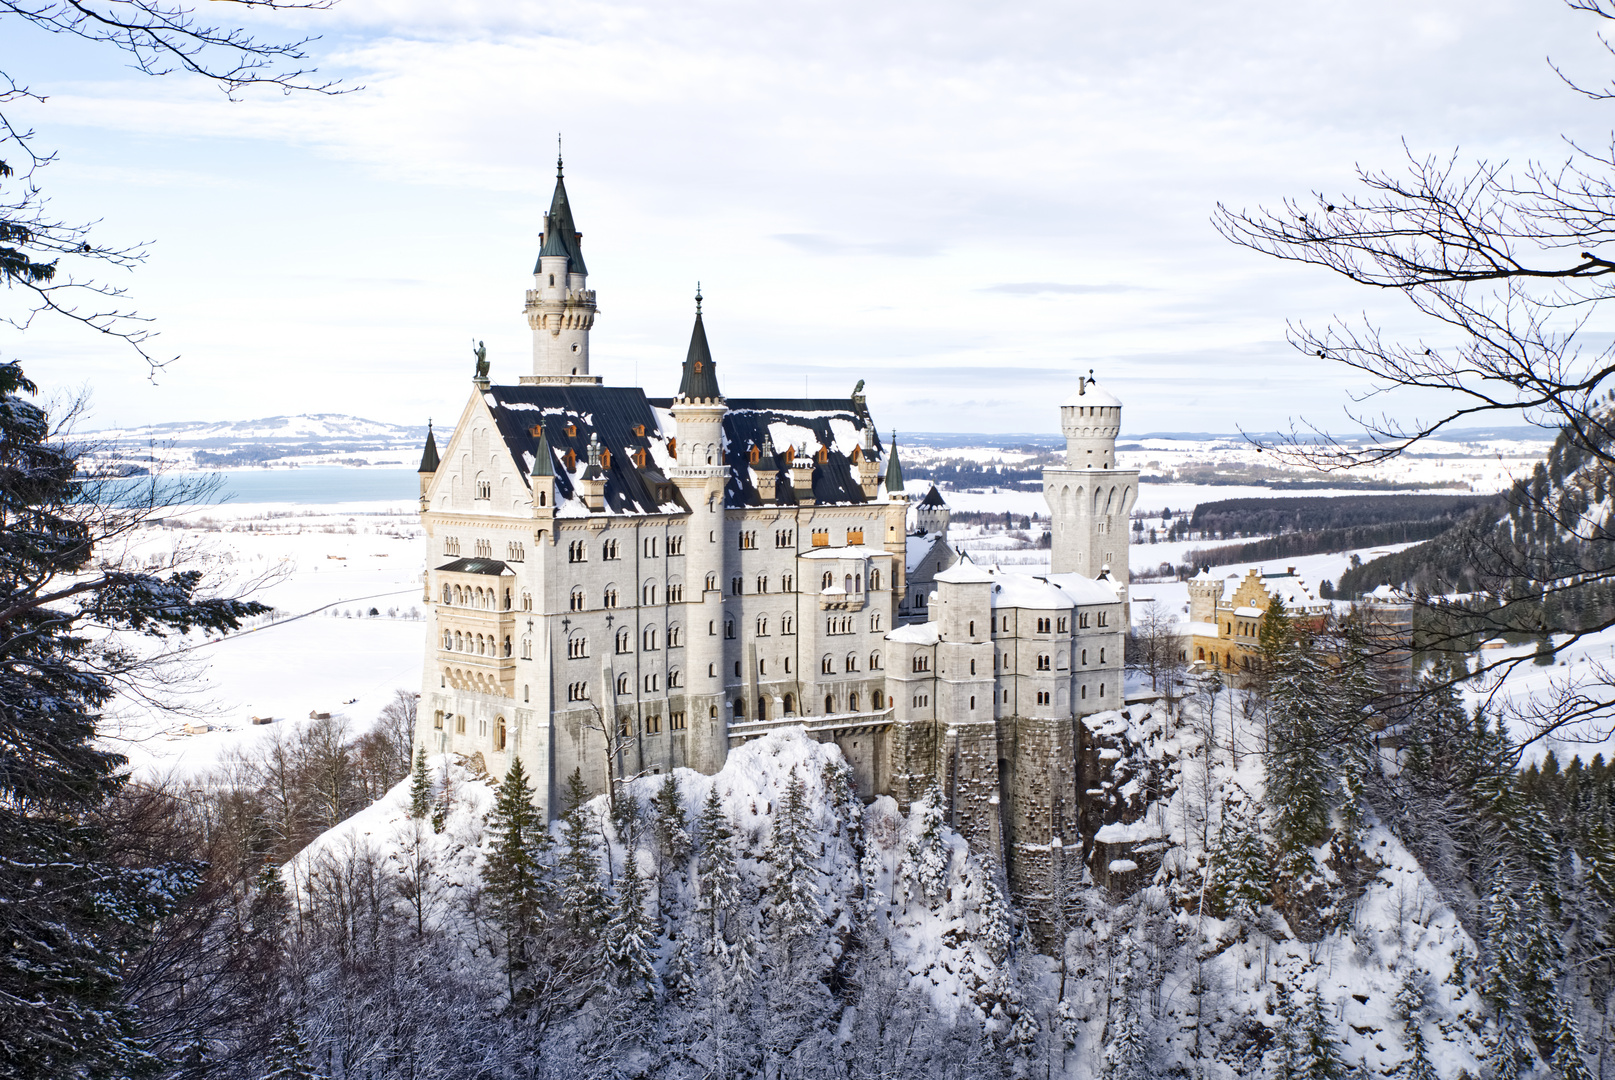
x=1226, y=615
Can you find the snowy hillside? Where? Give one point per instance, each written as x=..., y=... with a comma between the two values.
x=305, y=427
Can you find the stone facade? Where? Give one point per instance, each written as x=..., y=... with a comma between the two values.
x=622, y=585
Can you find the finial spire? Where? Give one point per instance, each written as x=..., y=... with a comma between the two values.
x=698, y=298
x=558, y=160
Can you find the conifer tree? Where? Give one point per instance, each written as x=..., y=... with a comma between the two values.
x=288, y=1056
x=630, y=936
x=672, y=824
x=582, y=899
x=1310, y=1050
x=719, y=892
x=1299, y=776
x=514, y=875
x=926, y=859
x=1125, y=1049
x=1410, y=998
x=1568, y=1059
x=72, y=912
x=420, y=787
x=1507, y=1053
x=794, y=890
x=994, y=931
x=1240, y=878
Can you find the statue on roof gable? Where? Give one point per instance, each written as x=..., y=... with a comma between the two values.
x=481, y=353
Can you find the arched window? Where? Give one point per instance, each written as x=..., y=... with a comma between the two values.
x=459, y=642
x=857, y=583
x=762, y=583
x=972, y=628
x=448, y=639
x=527, y=600
x=790, y=703
x=852, y=701
x=507, y=646
x=459, y=595
x=622, y=684
x=874, y=580
x=852, y=661
x=829, y=579
x=762, y=626
x=1200, y=654
x=649, y=639
x=829, y=703
x=499, y=733
x=448, y=595
x=577, y=599
x=1085, y=693
x=972, y=667
x=712, y=714
x=827, y=666
x=740, y=708
x=624, y=641
x=527, y=648
x=877, y=700
x=712, y=582
x=874, y=661
x=611, y=596
x=846, y=584
x=507, y=599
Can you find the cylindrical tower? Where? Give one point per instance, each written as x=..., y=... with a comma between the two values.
x=1089, y=498
x=560, y=308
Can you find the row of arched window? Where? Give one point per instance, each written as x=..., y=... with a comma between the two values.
x=478, y=597
x=827, y=663
x=481, y=644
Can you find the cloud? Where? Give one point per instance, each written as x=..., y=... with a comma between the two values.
x=1038, y=288
x=821, y=244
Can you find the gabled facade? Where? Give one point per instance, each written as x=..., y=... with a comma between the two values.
x=1226, y=615
x=622, y=584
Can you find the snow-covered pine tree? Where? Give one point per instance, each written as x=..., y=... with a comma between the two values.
x=724, y=929
x=993, y=930
x=73, y=915
x=1569, y=1059
x=924, y=870
x=630, y=934
x=794, y=890
x=420, y=787
x=513, y=875
x=1410, y=999
x=671, y=826
x=1125, y=1049
x=1316, y=1048
x=1240, y=877
x=844, y=802
x=1507, y=1051
x=288, y=1057
x=1301, y=699
x=445, y=799
x=582, y=898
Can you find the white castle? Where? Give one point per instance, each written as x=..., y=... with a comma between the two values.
x=621, y=585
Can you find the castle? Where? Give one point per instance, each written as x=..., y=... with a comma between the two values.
x=621, y=584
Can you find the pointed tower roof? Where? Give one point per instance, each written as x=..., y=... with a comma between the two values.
x=560, y=234
x=429, y=458
x=894, y=470
x=543, y=457
x=700, y=381
x=933, y=498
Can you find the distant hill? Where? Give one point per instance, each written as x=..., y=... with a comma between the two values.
x=335, y=430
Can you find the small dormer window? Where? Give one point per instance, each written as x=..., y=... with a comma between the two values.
x=639, y=431
x=572, y=431
x=552, y=280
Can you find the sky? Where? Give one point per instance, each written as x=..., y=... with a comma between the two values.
x=964, y=205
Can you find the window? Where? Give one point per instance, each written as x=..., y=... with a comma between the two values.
x=787, y=624
x=874, y=581
x=448, y=594
x=674, y=679
x=762, y=583
x=578, y=691
x=740, y=708
x=787, y=582
x=675, y=545
x=729, y=628
x=577, y=600
x=748, y=541
x=437, y=720
x=515, y=552
x=499, y=733
x=852, y=701
x=827, y=666
x=821, y=537
x=527, y=600
x=874, y=661
x=922, y=662
x=653, y=725
x=972, y=667
x=1042, y=697
x=712, y=582
x=459, y=725
x=921, y=700
x=972, y=631
x=1061, y=626
x=828, y=580
x=855, y=536
x=737, y=669
x=736, y=586
x=484, y=549
x=1043, y=662
x=577, y=647
x=675, y=637
x=650, y=547
x=762, y=626
x=712, y=671
x=1101, y=689
x=762, y=667
x=647, y=595
x=787, y=665
x=448, y=639
x=1005, y=627
x=610, y=550
x=1101, y=656
x=846, y=584
x=1082, y=620
x=624, y=641
x=1085, y=692
x=675, y=721
x=972, y=701
x=1043, y=626
x=852, y=661
x=877, y=700
x=675, y=594
x=611, y=596
x=527, y=648
x=784, y=538
x=622, y=684
x=648, y=639
x=484, y=489
x=653, y=683
x=577, y=551
x=829, y=703
x=451, y=545
x=1104, y=618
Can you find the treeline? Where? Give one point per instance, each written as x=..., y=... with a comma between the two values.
x=973, y=474
x=1322, y=541
x=1310, y=514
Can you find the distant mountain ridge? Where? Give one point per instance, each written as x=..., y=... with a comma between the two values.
x=337, y=430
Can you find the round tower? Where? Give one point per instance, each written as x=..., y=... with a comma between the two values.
x=1090, y=420
x=932, y=514
x=560, y=308
x=1089, y=497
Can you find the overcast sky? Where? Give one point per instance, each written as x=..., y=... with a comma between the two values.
x=963, y=204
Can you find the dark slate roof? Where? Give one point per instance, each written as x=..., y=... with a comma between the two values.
x=612, y=412
x=476, y=566
x=560, y=234
x=894, y=469
x=748, y=420
x=933, y=498
x=700, y=381
x=429, y=458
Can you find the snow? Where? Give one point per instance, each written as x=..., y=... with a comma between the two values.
x=1092, y=394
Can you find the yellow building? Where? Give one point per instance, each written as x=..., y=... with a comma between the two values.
x=1225, y=614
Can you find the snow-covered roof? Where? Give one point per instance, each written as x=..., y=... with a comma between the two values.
x=1092, y=394
x=851, y=551
x=965, y=572
x=925, y=633
x=918, y=548
x=1087, y=590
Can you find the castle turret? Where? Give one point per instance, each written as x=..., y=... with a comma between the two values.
x=701, y=477
x=560, y=308
x=1089, y=498
x=429, y=462
x=932, y=514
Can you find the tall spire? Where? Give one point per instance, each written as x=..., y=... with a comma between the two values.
x=894, y=470
x=560, y=233
x=700, y=381
x=429, y=458
x=543, y=458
